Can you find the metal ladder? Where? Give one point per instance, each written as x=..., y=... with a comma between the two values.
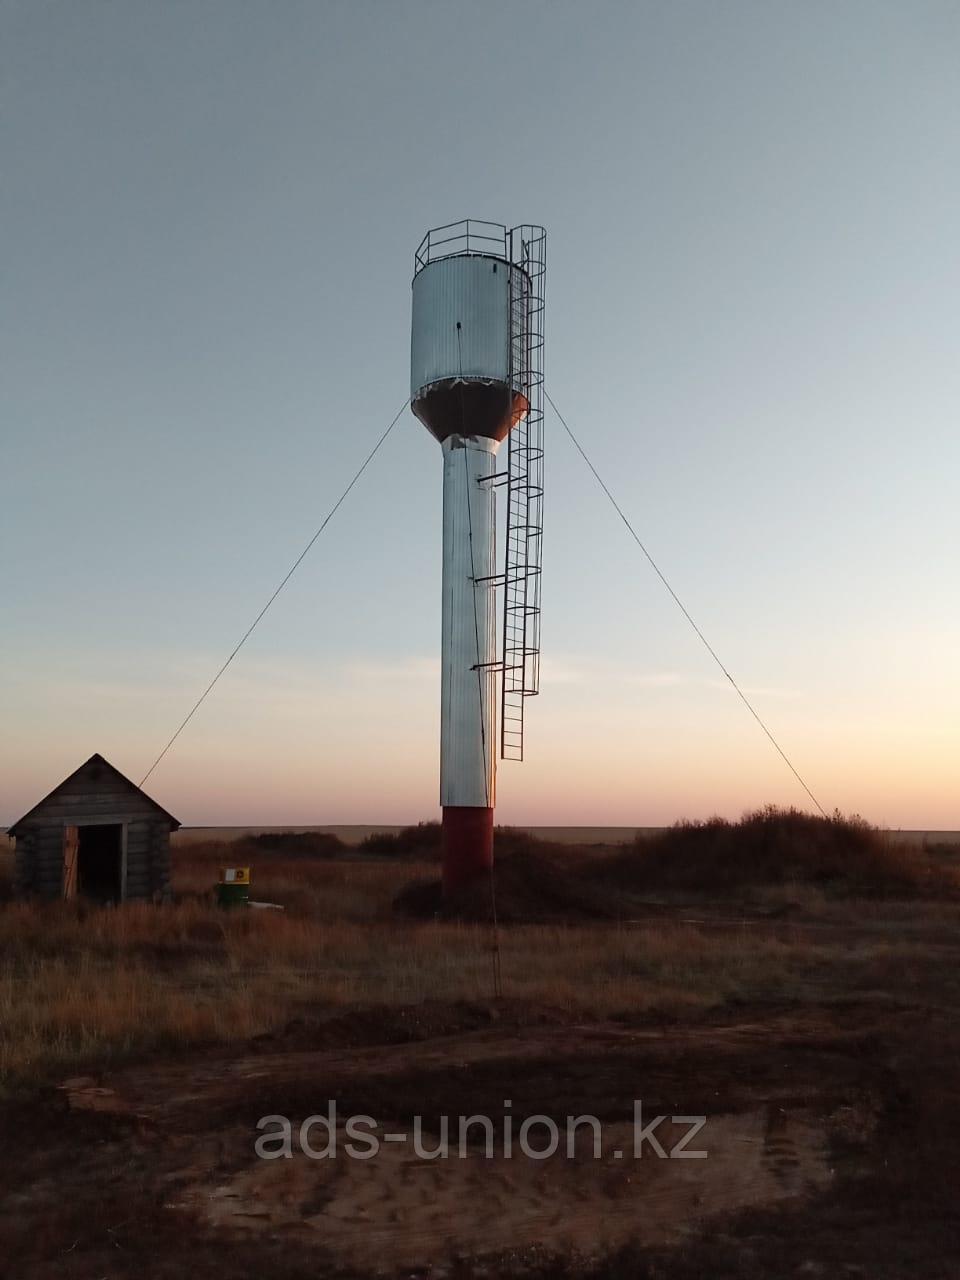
x=524, y=526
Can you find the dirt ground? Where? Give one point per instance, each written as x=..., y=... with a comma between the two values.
x=153, y=1056
x=830, y=1134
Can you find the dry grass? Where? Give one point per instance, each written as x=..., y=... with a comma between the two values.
x=345, y=888
x=6, y=872
x=81, y=987
x=78, y=992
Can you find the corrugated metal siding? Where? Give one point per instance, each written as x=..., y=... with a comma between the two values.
x=468, y=730
x=474, y=291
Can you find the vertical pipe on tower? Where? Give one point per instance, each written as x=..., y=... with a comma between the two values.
x=468, y=687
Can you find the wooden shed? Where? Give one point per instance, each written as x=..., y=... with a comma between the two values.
x=96, y=835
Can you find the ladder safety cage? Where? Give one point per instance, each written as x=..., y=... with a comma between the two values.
x=526, y=251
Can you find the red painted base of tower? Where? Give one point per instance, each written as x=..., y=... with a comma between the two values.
x=466, y=846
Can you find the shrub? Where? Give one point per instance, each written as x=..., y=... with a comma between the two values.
x=420, y=841
x=775, y=846
x=293, y=844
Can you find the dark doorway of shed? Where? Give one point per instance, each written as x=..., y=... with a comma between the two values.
x=100, y=862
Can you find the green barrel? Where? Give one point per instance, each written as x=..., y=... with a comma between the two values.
x=233, y=895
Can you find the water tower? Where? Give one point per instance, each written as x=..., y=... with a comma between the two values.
x=476, y=382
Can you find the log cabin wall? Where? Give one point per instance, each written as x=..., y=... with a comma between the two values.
x=96, y=794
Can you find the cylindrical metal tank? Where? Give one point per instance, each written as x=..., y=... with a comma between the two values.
x=461, y=370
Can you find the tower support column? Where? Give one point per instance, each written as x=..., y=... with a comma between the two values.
x=468, y=683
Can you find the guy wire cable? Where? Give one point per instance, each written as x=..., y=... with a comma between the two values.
x=680, y=605
x=296, y=564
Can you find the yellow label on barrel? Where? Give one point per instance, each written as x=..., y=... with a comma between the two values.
x=235, y=875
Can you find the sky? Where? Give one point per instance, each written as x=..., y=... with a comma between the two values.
x=209, y=212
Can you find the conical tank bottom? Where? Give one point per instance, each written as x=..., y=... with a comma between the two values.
x=466, y=407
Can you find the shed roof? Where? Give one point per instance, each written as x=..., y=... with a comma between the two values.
x=116, y=776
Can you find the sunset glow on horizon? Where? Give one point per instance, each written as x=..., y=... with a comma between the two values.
x=752, y=313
